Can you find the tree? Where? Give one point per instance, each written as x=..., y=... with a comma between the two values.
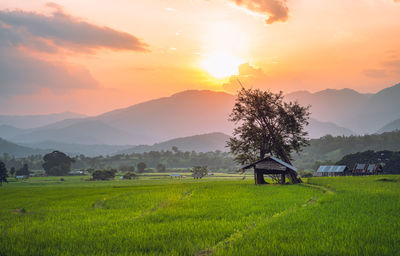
x=141, y=167
x=161, y=167
x=104, y=174
x=129, y=176
x=266, y=125
x=199, y=171
x=3, y=173
x=12, y=171
x=57, y=164
x=24, y=171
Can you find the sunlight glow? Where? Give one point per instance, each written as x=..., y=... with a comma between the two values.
x=221, y=65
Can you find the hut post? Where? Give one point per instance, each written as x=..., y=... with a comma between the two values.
x=283, y=178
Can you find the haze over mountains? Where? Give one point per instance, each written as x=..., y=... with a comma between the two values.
x=190, y=113
x=361, y=113
x=34, y=121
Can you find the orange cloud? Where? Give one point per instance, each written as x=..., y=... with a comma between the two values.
x=63, y=30
x=275, y=9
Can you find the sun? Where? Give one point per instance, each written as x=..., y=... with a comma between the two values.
x=221, y=65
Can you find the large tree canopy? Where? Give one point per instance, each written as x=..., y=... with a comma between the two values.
x=57, y=164
x=266, y=125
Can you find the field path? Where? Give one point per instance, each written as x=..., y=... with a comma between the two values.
x=239, y=234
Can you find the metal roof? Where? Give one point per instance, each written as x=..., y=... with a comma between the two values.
x=332, y=168
x=360, y=166
x=273, y=158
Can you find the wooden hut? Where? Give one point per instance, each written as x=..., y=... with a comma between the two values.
x=272, y=165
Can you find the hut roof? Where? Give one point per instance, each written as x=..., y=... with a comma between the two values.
x=273, y=159
x=332, y=168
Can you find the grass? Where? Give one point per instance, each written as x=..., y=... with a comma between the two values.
x=218, y=216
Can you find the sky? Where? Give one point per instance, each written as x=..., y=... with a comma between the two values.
x=94, y=56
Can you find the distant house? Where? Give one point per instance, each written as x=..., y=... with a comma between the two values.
x=367, y=169
x=332, y=170
x=73, y=173
x=174, y=175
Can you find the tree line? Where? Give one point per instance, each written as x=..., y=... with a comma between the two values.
x=153, y=161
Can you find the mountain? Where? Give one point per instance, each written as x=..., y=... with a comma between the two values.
x=199, y=143
x=85, y=131
x=78, y=149
x=182, y=114
x=392, y=126
x=317, y=129
x=34, y=121
x=8, y=131
x=337, y=106
x=19, y=151
x=381, y=108
x=362, y=113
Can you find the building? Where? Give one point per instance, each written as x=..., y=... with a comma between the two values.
x=272, y=165
x=367, y=169
x=332, y=170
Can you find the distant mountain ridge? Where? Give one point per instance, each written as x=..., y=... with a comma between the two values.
x=35, y=121
x=199, y=143
x=362, y=113
x=392, y=126
x=16, y=150
x=336, y=112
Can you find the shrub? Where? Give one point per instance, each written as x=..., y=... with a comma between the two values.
x=129, y=176
x=104, y=174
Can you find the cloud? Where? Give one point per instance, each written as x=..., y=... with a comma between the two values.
x=249, y=76
x=21, y=74
x=275, y=9
x=26, y=35
x=62, y=30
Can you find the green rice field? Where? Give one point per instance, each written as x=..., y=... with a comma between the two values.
x=225, y=215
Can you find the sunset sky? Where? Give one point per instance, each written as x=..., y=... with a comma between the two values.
x=93, y=56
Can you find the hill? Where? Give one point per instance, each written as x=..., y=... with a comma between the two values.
x=317, y=129
x=87, y=131
x=336, y=112
x=199, y=143
x=392, y=126
x=16, y=150
x=34, y=121
x=180, y=115
x=78, y=149
x=362, y=113
x=329, y=148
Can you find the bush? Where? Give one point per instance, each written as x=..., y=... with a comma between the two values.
x=104, y=174
x=129, y=176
